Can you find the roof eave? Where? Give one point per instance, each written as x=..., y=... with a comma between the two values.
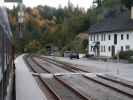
x=95, y=32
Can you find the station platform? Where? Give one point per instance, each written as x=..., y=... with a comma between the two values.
x=26, y=86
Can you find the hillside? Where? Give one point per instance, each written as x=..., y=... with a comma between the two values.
x=46, y=26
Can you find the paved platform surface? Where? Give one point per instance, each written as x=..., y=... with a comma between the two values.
x=26, y=86
x=117, y=69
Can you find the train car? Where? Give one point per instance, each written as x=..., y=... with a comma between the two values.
x=6, y=57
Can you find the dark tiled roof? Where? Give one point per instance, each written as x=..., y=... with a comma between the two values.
x=120, y=22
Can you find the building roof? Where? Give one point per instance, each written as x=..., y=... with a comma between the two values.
x=115, y=23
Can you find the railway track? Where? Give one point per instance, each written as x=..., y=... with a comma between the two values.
x=63, y=91
x=35, y=66
x=45, y=89
x=92, y=89
x=52, y=68
x=64, y=65
x=77, y=87
x=54, y=88
x=115, y=85
x=117, y=80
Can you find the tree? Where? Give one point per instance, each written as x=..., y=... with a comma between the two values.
x=98, y=3
x=127, y=3
x=48, y=25
x=33, y=46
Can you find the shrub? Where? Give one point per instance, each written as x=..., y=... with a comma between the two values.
x=126, y=55
x=32, y=46
x=130, y=60
x=42, y=51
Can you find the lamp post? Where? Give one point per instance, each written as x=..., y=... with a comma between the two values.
x=21, y=24
x=21, y=20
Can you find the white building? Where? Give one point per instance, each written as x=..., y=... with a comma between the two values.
x=111, y=36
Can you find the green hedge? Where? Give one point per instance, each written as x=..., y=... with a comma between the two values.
x=43, y=51
x=126, y=55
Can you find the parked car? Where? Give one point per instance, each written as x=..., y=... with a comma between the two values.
x=52, y=54
x=67, y=53
x=89, y=55
x=74, y=55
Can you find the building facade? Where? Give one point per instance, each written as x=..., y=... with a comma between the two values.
x=109, y=44
x=111, y=36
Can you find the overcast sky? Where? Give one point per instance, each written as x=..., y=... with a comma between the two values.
x=55, y=3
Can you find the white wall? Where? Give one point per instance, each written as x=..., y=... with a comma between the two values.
x=108, y=42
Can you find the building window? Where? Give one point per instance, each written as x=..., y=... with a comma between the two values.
x=97, y=37
x=122, y=48
x=90, y=38
x=101, y=48
x=94, y=37
x=115, y=38
x=121, y=36
x=109, y=37
x=109, y=48
x=104, y=49
x=127, y=47
x=127, y=36
x=101, y=37
x=104, y=36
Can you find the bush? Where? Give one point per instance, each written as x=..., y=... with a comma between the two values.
x=42, y=51
x=126, y=55
x=32, y=46
x=130, y=60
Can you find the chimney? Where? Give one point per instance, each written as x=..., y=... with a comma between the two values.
x=132, y=12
